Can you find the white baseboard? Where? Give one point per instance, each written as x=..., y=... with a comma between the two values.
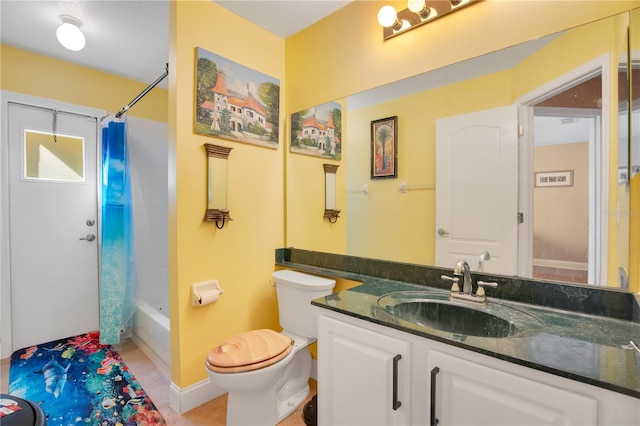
x=183, y=400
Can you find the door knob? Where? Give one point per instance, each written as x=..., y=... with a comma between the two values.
x=442, y=232
x=89, y=237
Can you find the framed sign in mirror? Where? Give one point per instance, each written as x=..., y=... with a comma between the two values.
x=556, y=178
x=384, y=148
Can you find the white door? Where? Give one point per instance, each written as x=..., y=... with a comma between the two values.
x=477, y=189
x=53, y=224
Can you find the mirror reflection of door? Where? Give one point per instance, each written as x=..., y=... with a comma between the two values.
x=561, y=169
x=477, y=189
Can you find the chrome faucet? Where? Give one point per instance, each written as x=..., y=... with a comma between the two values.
x=462, y=269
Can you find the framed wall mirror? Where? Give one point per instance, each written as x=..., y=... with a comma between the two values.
x=572, y=110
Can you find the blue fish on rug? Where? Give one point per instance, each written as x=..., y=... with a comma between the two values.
x=55, y=377
x=78, y=381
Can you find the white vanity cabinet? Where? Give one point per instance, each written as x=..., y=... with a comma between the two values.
x=355, y=382
x=364, y=376
x=470, y=393
x=471, y=388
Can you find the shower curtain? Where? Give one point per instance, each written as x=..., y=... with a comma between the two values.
x=117, y=265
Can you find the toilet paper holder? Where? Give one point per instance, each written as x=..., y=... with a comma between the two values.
x=205, y=292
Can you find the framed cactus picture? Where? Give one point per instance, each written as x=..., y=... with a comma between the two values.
x=384, y=148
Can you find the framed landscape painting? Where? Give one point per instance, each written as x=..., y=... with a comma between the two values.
x=235, y=102
x=318, y=131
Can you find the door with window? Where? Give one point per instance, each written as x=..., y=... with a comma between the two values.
x=53, y=222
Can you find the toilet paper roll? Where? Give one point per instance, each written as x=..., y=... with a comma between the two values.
x=208, y=296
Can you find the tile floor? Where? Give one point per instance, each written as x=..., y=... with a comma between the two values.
x=156, y=384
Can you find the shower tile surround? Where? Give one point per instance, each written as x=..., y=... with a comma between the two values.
x=582, y=323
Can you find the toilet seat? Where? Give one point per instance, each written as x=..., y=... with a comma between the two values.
x=249, y=351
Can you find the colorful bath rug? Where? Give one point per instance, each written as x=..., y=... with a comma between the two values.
x=79, y=381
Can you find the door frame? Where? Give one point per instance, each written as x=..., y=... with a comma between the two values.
x=598, y=178
x=5, y=227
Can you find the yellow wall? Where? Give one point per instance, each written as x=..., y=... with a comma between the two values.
x=45, y=77
x=388, y=224
x=305, y=226
x=241, y=255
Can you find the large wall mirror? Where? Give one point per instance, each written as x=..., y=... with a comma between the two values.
x=542, y=136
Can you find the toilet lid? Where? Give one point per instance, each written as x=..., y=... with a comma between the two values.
x=249, y=351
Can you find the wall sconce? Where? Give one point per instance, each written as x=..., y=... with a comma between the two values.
x=330, y=211
x=418, y=12
x=69, y=34
x=217, y=184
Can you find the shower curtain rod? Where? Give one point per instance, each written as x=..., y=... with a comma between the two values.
x=144, y=92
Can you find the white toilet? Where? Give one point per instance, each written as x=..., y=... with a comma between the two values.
x=265, y=373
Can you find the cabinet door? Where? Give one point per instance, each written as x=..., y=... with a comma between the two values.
x=358, y=371
x=469, y=393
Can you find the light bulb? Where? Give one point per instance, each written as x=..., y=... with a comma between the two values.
x=419, y=7
x=387, y=16
x=416, y=6
x=69, y=34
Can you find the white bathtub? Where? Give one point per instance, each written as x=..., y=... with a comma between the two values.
x=151, y=334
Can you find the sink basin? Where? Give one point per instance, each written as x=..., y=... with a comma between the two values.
x=436, y=311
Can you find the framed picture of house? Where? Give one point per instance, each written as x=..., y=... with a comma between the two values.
x=317, y=131
x=384, y=148
x=235, y=102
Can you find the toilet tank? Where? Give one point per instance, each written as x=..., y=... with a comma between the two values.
x=295, y=292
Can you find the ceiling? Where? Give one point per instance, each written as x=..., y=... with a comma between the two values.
x=130, y=38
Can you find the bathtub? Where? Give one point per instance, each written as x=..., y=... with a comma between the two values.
x=151, y=334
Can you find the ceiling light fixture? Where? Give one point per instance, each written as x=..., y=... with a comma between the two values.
x=69, y=34
x=418, y=12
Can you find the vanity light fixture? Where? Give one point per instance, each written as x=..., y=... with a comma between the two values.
x=330, y=211
x=418, y=12
x=69, y=34
x=217, y=184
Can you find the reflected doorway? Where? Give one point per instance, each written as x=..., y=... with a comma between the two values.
x=563, y=161
x=565, y=177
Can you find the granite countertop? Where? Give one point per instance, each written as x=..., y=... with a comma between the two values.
x=572, y=343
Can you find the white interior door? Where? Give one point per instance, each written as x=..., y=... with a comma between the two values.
x=477, y=189
x=53, y=224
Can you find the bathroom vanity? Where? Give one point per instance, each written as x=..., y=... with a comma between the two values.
x=567, y=360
